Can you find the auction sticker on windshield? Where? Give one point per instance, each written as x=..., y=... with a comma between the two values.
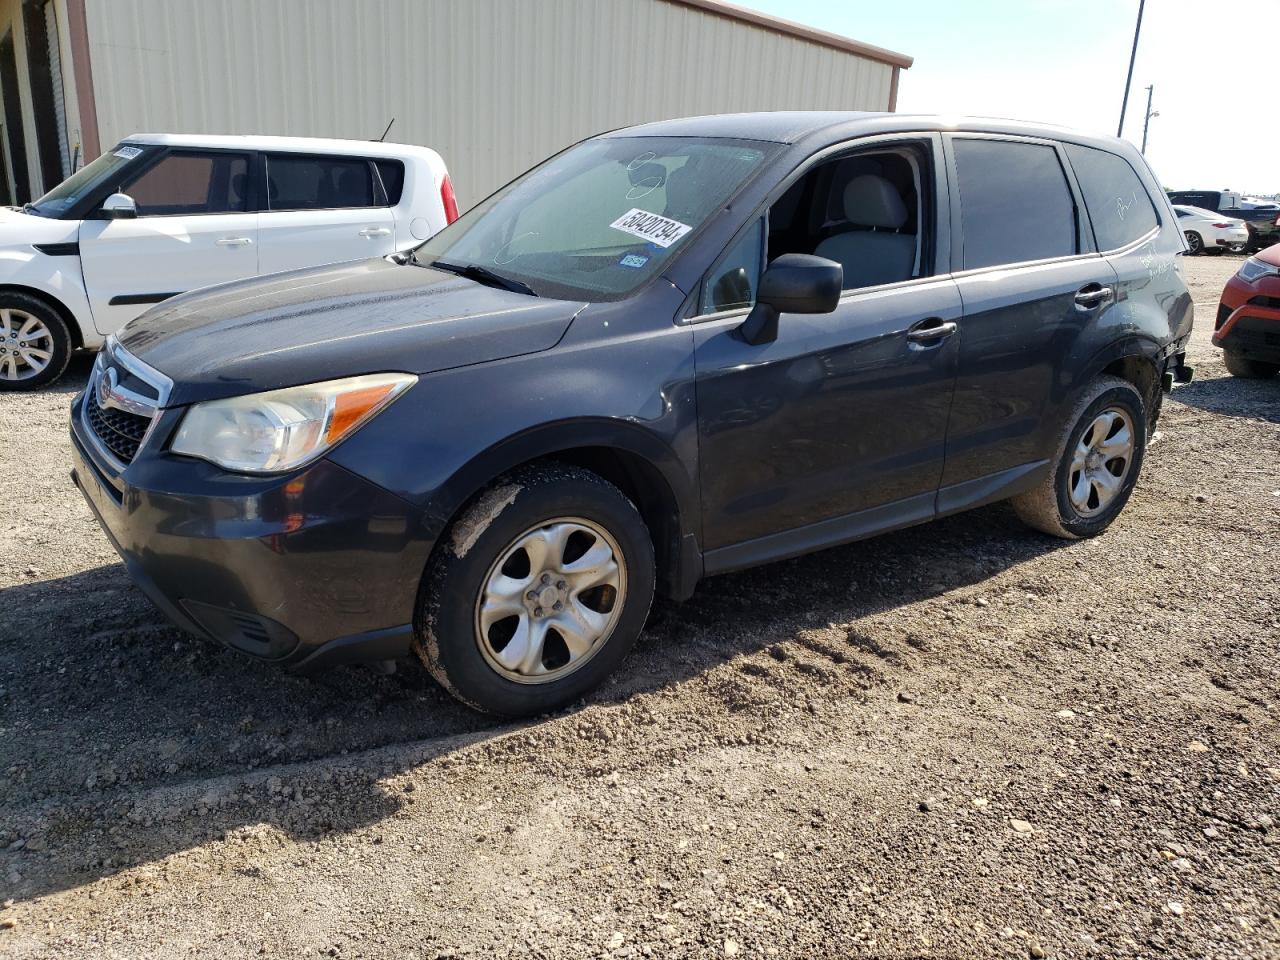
x=651, y=226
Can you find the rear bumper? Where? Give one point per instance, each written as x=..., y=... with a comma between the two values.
x=308, y=571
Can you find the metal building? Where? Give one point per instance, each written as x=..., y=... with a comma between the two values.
x=494, y=85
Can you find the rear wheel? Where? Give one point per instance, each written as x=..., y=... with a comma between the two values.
x=35, y=344
x=536, y=592
x=1195, y=242
x=1247, y=369
x=1097, y=463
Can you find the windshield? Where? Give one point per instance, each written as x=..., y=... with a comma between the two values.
x=600, y=219
x=73, y=189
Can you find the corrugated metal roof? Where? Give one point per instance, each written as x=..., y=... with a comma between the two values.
x=781, y=126
x=792, y=29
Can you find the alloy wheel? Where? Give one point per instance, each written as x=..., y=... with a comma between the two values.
x=551, y=600
x=1100, y=462
x=26, y=345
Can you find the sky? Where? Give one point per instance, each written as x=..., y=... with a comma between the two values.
x=1064, y=61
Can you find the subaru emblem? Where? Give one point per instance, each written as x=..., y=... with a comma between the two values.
x=106, y=387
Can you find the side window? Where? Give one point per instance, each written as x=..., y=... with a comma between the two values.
x=297, y=182
x=1015, y=204
x=869, y=211
x=391, y=173
x=192, y=183
x=1118, y=203
x=731, y=284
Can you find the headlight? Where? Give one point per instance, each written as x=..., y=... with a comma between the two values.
x=282, y=429
x=1253, y=268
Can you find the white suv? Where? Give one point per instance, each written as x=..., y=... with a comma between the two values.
x=159, y=215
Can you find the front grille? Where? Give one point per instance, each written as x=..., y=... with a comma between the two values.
x=1271, y=302
x=118, y=431
x=121, y=400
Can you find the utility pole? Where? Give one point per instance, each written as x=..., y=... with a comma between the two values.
x=1147, y=122
x=1124, y=105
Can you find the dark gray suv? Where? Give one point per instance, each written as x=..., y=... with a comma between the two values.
x=667, y=352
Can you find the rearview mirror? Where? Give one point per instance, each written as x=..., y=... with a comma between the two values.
x=793, y=283
x=119, y=206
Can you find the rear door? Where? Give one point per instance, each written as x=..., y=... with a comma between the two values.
x=321, y=209
x=195, y=227
x=1032, y=284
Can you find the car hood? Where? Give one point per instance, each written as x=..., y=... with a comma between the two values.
x=327, y=322
x=1270, y=254
x=23, y=229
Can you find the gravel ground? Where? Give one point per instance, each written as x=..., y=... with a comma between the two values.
x=962, y=740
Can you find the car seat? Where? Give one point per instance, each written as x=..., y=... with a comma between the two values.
x=878, y=254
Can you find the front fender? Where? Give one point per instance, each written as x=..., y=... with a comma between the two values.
x=57, y=279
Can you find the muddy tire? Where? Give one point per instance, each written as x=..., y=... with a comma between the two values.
x=1247, y=369
x=1096, y=463
x=536, y=592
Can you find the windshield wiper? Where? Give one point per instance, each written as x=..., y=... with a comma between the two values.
x=479, y=274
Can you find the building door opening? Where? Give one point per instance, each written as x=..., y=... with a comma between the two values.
x=12, y=104
x=47, y=102
x=6, y=185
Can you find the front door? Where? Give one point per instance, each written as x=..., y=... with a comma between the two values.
x=837, y=428
x=193, y=229
x=322, y=209
x=844, y=412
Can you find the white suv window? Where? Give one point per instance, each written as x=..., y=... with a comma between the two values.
x=188, y=183
x=296, y=182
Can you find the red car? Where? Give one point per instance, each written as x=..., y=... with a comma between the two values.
x=1248, y=324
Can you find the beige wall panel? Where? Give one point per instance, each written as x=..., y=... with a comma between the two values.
x=494, y=85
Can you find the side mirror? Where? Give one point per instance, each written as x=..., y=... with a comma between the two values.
x=119, y=206
x=793, y=283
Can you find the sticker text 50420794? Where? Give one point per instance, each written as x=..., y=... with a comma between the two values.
x=653, y=227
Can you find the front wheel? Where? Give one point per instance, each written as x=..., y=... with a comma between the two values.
x=1246, y=369
x=1097, y=462
x=1195, y=244
x=536, y=592
x=35, y=344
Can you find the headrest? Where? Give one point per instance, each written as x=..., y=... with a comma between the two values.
x=872, y=201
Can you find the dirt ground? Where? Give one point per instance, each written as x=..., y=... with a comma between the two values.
x=962, y=740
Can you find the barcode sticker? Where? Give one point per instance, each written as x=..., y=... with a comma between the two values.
x=651, y=226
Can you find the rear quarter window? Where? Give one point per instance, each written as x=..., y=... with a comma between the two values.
x=391, y=173
x=1118, y=203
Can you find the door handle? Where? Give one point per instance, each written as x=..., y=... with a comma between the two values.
x=375, y=232
x=1093, y=295
x=233, y=241
x=932, y=330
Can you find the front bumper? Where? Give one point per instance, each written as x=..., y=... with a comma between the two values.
x=308, y=570
x=1248, y=321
